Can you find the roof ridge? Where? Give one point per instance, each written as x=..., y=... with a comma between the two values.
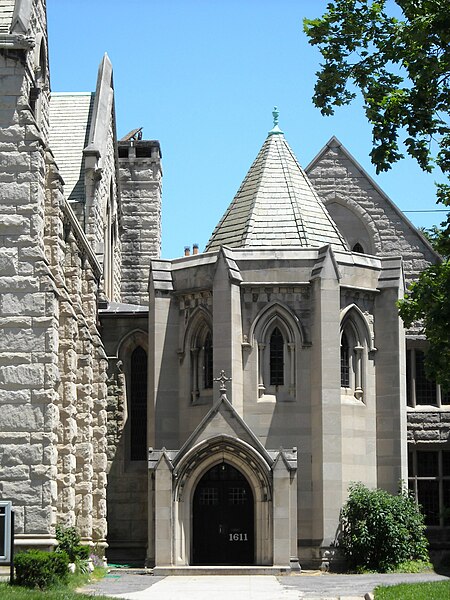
x=251, y=219
x=291, y=189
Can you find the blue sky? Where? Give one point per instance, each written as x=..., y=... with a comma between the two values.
x=202, y=77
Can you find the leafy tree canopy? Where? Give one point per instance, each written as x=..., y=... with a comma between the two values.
x=402, y=69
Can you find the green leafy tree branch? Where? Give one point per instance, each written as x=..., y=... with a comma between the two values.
x=402, y=69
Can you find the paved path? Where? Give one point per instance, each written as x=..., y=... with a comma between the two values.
x=247, y=587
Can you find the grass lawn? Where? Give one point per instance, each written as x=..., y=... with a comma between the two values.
x=12, y=592
x=59, y=592
x=436, y=590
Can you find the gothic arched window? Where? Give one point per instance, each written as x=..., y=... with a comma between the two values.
x=352, y=360
x=138, y=404
x=276, y=359
x=208, y=361
x=358, y=248
x=345, y=362
x=201, y=363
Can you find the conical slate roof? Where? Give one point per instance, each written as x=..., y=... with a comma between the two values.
x=276, y=205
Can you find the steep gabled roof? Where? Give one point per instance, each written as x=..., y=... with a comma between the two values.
x=6, y=15
x=276, y=205
x=70, y=119
x=333, y=144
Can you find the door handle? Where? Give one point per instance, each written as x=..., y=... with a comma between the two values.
x=220, y=528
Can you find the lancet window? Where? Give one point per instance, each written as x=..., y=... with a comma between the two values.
x=277, y=333
x=201, y=361
x=138, y=404
x=276, y=358
x=352, y=360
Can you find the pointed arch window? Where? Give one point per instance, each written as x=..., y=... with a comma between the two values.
x=276, y=360
x=208, y=362
x=277, y=335
x=138, y=404
x=345, y=361
x=201, y=362
x=358, y=248
x=352, y=361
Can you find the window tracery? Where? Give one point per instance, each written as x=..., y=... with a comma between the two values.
x=353, y=358
x=278, y=338
x=201, y=361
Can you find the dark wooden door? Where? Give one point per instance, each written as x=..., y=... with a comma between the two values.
x=223, y=518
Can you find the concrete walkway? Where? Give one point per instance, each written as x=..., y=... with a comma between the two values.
x=312, y=585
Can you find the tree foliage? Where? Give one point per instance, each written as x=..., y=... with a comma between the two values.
x=379, y=531
x=402, y=69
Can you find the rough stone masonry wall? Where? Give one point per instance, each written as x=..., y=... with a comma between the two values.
x=428, y=426
x=28, y=306
x=140, y=181
x=104, y=190
x=82, y=389
x=337, y=179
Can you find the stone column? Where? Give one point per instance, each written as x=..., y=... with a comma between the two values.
x=163, y=513
x=390, y=379
x=326, y=417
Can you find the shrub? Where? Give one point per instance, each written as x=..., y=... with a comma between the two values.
x=40, y=569
x=69, y=542
x=379, y=531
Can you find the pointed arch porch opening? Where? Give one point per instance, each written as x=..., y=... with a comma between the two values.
x=223, y=518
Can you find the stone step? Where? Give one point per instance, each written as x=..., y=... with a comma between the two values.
x=220, y=570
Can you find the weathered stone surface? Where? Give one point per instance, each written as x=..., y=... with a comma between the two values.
x=8, y=261
x=23, y=304
x=21, y=418
x=38, y=520
x=22, y=375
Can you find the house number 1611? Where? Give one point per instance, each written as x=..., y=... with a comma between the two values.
x=238, y=537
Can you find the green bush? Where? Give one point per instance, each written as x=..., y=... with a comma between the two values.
x=379, y=531
x=69, y=542
x=36, y=568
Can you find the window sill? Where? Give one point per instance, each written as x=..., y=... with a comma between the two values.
x=428, y=408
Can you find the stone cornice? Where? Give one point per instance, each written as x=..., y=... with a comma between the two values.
x=16, y=41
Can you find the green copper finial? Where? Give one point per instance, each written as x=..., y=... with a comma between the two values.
x=275, y=130
x=275, y=114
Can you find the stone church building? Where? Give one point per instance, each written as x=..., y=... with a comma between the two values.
x=211, y=409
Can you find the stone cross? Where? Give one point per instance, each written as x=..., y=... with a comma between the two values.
x=222, y=379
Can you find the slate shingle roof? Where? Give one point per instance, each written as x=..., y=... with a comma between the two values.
x=6, y=15
x=276, y=205
x=70, y=119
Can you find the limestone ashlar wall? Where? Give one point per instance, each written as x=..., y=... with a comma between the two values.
x=140, y=182
x=28, y=302
x=340, y=181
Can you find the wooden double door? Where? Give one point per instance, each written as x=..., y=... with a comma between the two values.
x=223, y=518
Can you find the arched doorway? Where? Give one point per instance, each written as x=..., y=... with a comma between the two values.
x=223, y=518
